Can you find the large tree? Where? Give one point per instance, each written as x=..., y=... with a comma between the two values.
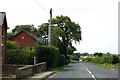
x=18, y=28
x=64, y=31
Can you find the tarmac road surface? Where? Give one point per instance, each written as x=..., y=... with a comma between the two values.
x=85, y=71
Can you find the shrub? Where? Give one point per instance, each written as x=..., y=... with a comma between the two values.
x=115, y=59
x=88, y=59
x=109, y=59
x=28, y=53
x=18, y=55
x=96, y=59
x=14, y=55
x=47, y=54
x=98, y=54
x=60, y=60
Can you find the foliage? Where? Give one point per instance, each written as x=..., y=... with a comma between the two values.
x=85, y=54
x=29, y=53
x=76, y=56
x=98, y=54
x=112, y=59
x=49, y=54
x=12, y=45
x=60, y=60
x=14, y=55
x=18, y=55
x=88, y=59
x=115, y=59
x=43, y=29
x=9, y=35
x=18, y=28
x=64, y=31
x=70, y=50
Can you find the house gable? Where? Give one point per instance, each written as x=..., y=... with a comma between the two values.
x=24, y=39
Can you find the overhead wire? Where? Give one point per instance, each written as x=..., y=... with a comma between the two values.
x=40, y=6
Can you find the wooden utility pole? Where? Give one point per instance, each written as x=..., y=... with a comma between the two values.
x=49, y=29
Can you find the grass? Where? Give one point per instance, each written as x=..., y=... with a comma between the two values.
x=58, y=69
x=108, y=66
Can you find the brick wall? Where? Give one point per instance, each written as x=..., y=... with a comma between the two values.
x=24, y=39
x=10, y=69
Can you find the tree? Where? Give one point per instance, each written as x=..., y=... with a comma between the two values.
x=115, y=59
x=70, y=50
x=64, y=31
x=85, y=54
x=18, y=28
x=98, y=54
x=9, y=35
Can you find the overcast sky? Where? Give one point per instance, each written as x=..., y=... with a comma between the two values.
x=98, y=19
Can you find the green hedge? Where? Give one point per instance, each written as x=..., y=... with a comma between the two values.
x=18, y=55
x=61, y=60
x=49, y=54
x=113, y=59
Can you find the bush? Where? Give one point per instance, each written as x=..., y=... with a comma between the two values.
x=60, y=60
x=14, y=55
x=47, y=54
x=109, y=59
x=18, y=55
x=115, y=59
x=88, y=59
x=28, y=53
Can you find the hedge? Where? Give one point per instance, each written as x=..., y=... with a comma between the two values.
x=113, y=59
x=49, y=54
x=18, y=55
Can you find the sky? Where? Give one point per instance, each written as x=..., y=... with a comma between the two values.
x=98, y=19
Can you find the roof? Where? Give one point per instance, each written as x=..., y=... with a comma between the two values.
x=39, y=39
x=3, y=19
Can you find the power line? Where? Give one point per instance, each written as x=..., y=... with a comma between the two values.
x=40, y=5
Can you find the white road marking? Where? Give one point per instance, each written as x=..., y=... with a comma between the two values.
x=89, y=72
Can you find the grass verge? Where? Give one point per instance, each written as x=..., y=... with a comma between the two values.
x=58, y=69
x=107, y=66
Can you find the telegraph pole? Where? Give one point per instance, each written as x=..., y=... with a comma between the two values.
x=49, y=29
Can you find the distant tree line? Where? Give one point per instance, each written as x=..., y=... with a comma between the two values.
x=101, y=58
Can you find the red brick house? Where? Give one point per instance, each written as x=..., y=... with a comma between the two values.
x=3, y=35
x=26, y=37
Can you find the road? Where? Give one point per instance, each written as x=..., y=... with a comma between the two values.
x=85, y=71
